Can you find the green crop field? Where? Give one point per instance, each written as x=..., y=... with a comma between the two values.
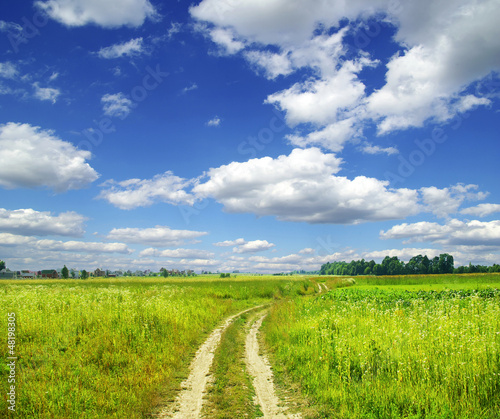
x=372, y=347
x=389, y=351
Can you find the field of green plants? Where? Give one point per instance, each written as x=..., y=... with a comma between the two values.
x=389, y=352
x=370, y=347
x=111, y=348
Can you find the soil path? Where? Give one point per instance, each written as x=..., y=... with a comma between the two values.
x=260, y=369
x=189, y=402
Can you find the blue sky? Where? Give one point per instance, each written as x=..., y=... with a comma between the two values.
x=253, y=136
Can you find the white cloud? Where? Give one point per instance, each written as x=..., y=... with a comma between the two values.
x=134, y=193
x=369, y=148
x=8, y=70
x=322, y=101
x=116, y=105
x=177, y=253
x=307, y=251
x=30, y=222
x=482, y=210
x=193, y=86
x=454, y=232
x=225, y=243
x=105, y=13
x=225, y=39
x=132, y=48
x=159, y=236
x=253, y=246
x=32, y=157
x=214, y=122
x=302, y=187
x=443, y=202
x=273, y=64
x=46, y=93
x=27, y=242
x=427, y=80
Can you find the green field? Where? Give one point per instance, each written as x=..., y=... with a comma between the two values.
x=112, y=347
x=390, y=351
x=115, y=348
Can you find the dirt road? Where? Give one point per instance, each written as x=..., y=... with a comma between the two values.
x=260, y=369
x=189, y=402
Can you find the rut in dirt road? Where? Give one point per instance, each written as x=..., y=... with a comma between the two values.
x=260, y=370
x=189, y=402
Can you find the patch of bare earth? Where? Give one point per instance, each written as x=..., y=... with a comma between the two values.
x=260, y=369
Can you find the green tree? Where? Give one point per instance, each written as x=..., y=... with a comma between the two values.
x=65, y=272
x=84, y=274
x=2, y=265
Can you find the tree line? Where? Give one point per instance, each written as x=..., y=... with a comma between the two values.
x=417, y=265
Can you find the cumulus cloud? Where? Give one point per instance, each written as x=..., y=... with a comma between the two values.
x=236, y=242
x=253, y=246
x=302, y=187
x=427, y=80
x=177, y=253
x=443, y=202
x=454, y=232
x=105, y=13
x=32, y=157
x=46, y=93
x=7, y=239
x=482, y=210
x=134, y=193
x=226, y=40
x=159, y=236
x=28, y=222
x=131, y=48
x=116, y=105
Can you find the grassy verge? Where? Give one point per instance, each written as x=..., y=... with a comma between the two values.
x=231, y=393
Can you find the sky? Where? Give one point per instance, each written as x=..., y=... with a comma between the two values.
x=259, y=136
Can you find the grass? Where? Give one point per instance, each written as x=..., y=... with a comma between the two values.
x=108, y=348
x=379, y=353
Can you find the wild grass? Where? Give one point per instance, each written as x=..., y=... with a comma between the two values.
x=107, y=348
x=387, y=354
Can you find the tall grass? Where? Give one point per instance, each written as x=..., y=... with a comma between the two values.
x=105, y=349
x=392, y=354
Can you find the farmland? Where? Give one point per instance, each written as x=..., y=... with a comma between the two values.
x=375, y=347
x=392, y=351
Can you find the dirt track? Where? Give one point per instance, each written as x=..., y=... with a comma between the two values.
x=259, y=368
x=189, y=402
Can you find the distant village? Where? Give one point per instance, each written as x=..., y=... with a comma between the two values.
x=67, y=273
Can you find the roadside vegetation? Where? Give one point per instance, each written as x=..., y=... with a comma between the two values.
x=372, y=352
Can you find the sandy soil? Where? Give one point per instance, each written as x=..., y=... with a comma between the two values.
x=260, y=369
x=189, y=402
